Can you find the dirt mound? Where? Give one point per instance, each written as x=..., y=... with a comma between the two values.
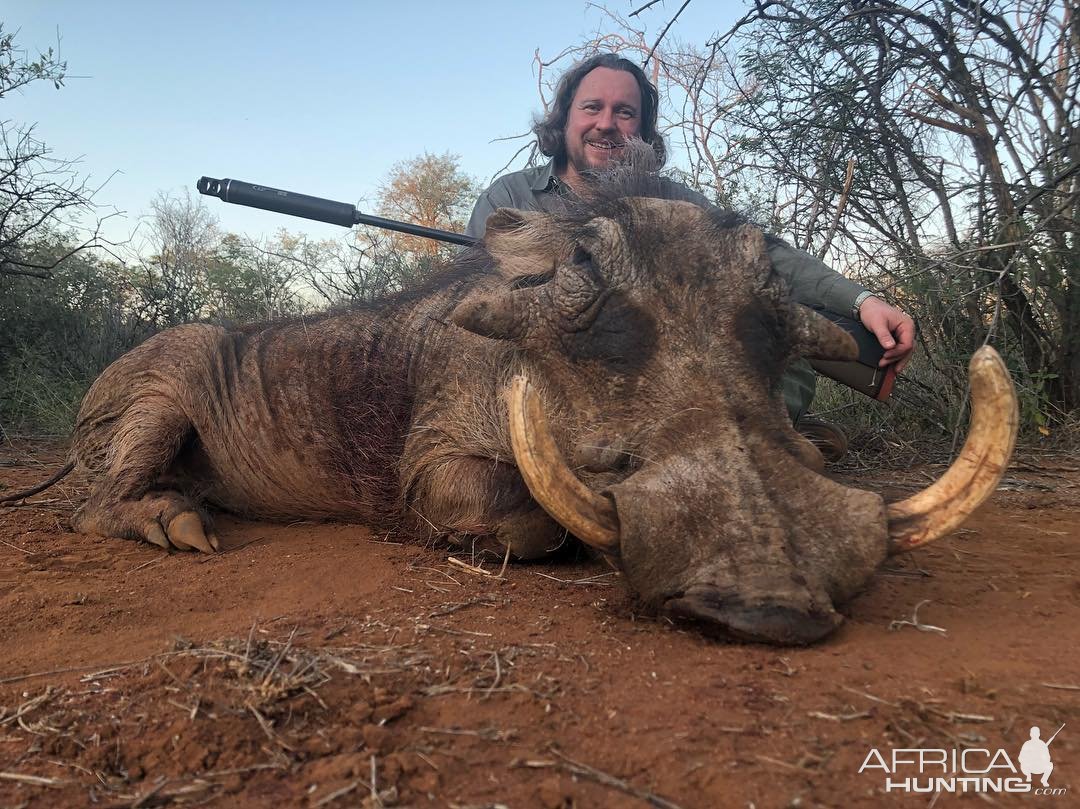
x=318, y=665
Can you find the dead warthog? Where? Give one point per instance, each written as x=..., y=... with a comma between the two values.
x=611, y=373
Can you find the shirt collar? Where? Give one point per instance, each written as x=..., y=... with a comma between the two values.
x=545, y=177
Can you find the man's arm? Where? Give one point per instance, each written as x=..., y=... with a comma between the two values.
x=814, y=284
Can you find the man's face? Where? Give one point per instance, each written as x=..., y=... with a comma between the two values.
x=605, y=112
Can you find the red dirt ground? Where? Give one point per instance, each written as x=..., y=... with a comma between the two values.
x=307, y=661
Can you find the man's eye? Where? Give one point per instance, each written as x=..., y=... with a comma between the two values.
x=627, y=114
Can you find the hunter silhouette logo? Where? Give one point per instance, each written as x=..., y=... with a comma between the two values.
x=969, y=769
x=1035, y=756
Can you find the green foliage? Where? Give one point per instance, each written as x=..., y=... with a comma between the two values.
x=17, y=71
x=61, y=328
x=57, y=335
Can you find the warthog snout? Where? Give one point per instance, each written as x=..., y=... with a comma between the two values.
x=768, y=622
x=727, y=526
x=737, y=534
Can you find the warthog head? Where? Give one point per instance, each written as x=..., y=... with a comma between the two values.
x=651, y=336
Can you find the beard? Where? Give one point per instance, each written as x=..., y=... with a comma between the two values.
x=588, y=157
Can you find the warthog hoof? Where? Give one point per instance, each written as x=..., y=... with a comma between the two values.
x=166, y=519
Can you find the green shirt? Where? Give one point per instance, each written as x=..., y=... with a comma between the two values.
x=538, y=189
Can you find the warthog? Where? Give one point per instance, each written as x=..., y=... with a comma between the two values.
x=612, y=373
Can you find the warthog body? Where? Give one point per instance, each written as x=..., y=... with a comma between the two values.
x=653, y=332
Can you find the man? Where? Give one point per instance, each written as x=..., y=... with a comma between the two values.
x=603, y=102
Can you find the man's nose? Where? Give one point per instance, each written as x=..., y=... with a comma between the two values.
x=606, y=120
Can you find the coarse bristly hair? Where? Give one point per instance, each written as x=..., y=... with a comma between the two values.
x=637, y=174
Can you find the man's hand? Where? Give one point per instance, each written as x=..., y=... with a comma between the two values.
x=893, y=329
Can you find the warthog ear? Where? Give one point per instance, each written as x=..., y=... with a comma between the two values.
x=818, y=338
x=499, y=315
x=525, y=243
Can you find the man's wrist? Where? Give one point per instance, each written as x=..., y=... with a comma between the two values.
x=860, y=299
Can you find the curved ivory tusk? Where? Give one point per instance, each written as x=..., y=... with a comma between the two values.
x=973, y=476
x=587, y=515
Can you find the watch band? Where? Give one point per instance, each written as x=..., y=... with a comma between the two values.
x=860, y=299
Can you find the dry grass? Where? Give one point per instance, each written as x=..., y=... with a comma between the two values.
x=273, y=701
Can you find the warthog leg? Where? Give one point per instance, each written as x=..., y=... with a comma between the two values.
x=132, y=455
x=482, y=501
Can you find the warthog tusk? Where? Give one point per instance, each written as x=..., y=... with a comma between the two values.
x=588, y=516
x=938, y=509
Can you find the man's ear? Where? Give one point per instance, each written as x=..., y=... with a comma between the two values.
x=524, y=243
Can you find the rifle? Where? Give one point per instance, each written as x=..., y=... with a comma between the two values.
x=862, y=375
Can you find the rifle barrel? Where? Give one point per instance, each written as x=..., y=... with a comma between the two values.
x=321, y=210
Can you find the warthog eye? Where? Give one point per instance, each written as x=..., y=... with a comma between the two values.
x=581, y=256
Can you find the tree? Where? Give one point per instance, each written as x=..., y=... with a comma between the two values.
x=960, y=122
x=428, y=190
x=931, y=148
x=256, y=279
x=58, y=334
x=39, y=194
x=171, y=269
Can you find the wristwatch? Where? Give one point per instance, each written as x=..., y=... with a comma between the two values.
x=860, y=299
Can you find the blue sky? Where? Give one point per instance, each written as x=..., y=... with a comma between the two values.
x=320, y=98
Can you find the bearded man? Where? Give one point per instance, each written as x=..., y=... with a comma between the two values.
x=603, y=103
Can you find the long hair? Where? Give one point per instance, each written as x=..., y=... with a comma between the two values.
x=550, y=128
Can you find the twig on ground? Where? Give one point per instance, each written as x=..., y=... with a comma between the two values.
x=841, y=717
x=29, y=705
x=476, y=571
x=498, y=676
x=375, y=802
x=800, y=766
x=339, y=793
x=916, y=623
x=587, y=580
x=871, y=696
x=485, y=601
x=449, y=631
x=487, y=734
x=34, y=780
x=599, y=776
x=16, y=547
x=160, y=558
x=506, y=561
x=146, y=796
x=269, y=731
x=440, y=572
